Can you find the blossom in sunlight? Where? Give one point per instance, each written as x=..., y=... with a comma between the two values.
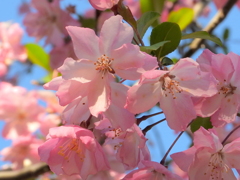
x=152, y=170
x=208, y=158
x=172, y=88
x=223, y=106
x=100, y=60
x=10, y=45
x=72, y=150
x=23, y=152
x=49, y=21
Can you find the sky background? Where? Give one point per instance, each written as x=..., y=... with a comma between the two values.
x=160, y=137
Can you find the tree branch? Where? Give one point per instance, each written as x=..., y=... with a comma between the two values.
x=25, y=173
x=217, y=19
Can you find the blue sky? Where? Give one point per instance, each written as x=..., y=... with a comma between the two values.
x=161, y=133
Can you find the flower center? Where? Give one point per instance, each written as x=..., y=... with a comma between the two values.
x=71, y=147
x=169, y=85
x=103, y=65
x=227, y=90
x=216, y=166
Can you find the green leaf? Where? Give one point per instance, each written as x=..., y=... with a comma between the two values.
x=225, y=34
x=166, y=61
x=203, y=35
x=146, y=5
x=183, y=17
x=153, y=47
x=199, y=121
x=146, y=20
x=166, y=31
x=38, y=56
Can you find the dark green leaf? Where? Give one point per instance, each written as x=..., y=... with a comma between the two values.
x=166, y=31
x=146, y=21
x=153, y=47
x=203, y=35
x=183, y=17
x=38, y=56
x=166, y=61
x=199, y=121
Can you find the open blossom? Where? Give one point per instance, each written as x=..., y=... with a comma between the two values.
x=173, y=89
x=130, y=146
x=14, y=110
x=100, y=59
x=223, y=106
x=77, y=111
x=24, y=150
x=208, y=158
x=72, y=150
x=48, y=21
x=10, y=47
x=152, y=170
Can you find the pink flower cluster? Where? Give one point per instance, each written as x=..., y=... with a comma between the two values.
x=99, y=114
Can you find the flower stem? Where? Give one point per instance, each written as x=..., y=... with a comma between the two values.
x=230, y=134
x=170, y=148
x=146, y=129
x=143, y=118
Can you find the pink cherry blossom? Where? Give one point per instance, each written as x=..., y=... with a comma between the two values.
x=130, y=146
x=152, y=170
x=49, y=21
x=208, y=158
x=14, y=110
x=10, y=47
x=100, y=59
x=172, y=88
x=72, y=150
x=24, y=148
x=223, y=106
x=103, y=4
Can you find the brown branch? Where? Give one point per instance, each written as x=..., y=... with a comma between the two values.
x=25, y=173
x=217, y=19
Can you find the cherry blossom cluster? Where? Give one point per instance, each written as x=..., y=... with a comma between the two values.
x=26, y=122
x=100, y=109
x=103, y=83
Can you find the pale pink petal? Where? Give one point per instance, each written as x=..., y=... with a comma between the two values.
x=181, y=112
x=76, y=112
x=184, y=159
x=114, y=34
x=227, y=112
x=204, y=138
x=83, y=70
x=85, y=43
x=103, y=4
x=99, y=95
x=126, y=57
x=143, y=97
x=70, y=90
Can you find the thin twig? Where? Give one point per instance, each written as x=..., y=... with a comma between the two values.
x=217, y=19
x=143, y=118
x=149, y=127
x=230, y=134
x=32, y=171
x=170, y=148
